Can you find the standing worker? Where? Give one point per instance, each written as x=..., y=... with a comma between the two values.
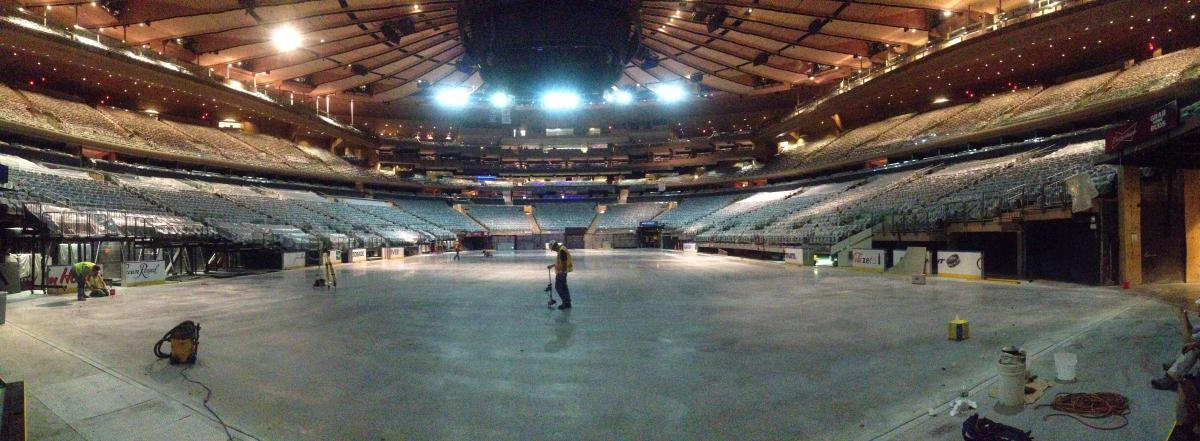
x=83, y=271
x=457, y=249
x=562, y=265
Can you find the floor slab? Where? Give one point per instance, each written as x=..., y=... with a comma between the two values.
x=659, y=346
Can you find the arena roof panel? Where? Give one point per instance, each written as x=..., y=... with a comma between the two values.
x=341, y=33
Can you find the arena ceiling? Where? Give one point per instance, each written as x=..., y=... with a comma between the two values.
x=797, y=43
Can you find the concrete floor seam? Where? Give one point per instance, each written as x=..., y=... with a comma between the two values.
x=197, y=410
x=982, y=386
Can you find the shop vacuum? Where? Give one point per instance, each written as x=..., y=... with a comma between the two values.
x=185, y=342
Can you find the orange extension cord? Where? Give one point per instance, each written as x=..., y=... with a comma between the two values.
x=1090, y=406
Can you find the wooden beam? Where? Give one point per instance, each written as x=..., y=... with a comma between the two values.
x=1191, y=224
x=1129, y=224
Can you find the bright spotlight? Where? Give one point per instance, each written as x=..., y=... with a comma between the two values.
x=286, y=38
x=453, y=96
x=560, y=100
x=618, y=96
x=500, y=99
x=669, y=93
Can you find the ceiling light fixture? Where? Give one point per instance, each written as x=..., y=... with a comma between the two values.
x=286, y=38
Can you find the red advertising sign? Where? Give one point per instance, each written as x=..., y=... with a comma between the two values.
x=1159, y=120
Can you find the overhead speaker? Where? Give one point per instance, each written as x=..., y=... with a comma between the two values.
x=394, y=30
x=115, y=8
x=696, y=77
x=875, y=47
x=189, y=43
x=761, y=59
x=717, y=19
x=359, y=69
x=815, y=26
x=422, y=84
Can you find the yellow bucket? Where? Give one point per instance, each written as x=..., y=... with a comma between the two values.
x=959, y=330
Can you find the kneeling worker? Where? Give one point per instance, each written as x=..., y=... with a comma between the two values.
x=1183, y=371
x=83, y=272
x=562, y=265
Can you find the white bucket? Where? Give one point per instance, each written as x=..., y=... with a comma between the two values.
x=1064, y=365
x=1011, y=390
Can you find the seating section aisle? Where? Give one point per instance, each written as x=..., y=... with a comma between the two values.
x=98, y=202
x=981, y=113
x=397, y=217
x=236, y=223
x=1039, y=181
x=158, y=136
x=691, y=209
x=906, y=131
x=841, y=148
x=1151, y=75
x=437, y=212
x=721, y=218
x=748, y=226
x=339, y=165
x=795, y=157
x=501, y=218
x=230, y=148
x=555, y=217
x=1057, y=98
x=79, y=119
x=14, y=109
x=627, y=216
x=282, y=151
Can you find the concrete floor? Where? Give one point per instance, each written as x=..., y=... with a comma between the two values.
x=659, y=346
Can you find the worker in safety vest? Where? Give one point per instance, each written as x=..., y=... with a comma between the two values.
x=562, y=265
x=83, y=272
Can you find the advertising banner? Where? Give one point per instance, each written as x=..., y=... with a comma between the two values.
x=867, y=259
x=358, y=255
x=140, y=273
x=690, y=247
x=60, y=275
x=335, y=256
x=960, y=264
x=293, y=260
x=1151, y=124
x=794, y=256
x=393, y=253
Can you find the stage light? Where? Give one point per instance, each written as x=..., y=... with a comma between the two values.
x=453, y=96
x=286, y=38
x=500, y=99
x=560, y=100
x=618, y=96
x=669, y=93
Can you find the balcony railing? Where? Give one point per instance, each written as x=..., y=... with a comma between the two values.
x=1033, y=10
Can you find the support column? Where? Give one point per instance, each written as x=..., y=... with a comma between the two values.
x=1191, y=224
x=1022, y=273
x=1129, y=224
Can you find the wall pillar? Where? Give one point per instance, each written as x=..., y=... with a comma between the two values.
x=1191, y=224
x=1022, y=247
x=1129, y=224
